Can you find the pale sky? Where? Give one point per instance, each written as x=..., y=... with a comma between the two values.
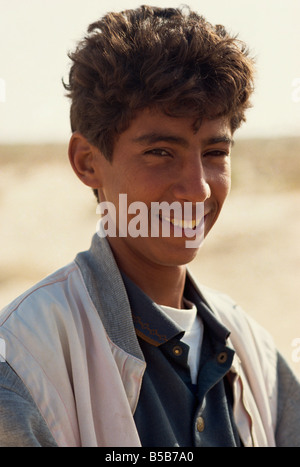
x=35, y=36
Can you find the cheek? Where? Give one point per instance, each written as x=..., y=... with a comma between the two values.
x=227, y=184
x=135, y=189
x=226, y=179
x=144, y=185
x=220, y=186
x=220, y=189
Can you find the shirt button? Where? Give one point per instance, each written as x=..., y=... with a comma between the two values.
x=222, y=357
x=177, y=350
x=200, y=424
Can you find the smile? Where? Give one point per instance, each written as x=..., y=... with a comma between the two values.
x=182, y=223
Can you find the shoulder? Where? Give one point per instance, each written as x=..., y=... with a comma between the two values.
x=55, y=290
x=244, y=330
x=253, y=343
x=288, y=420
x=21, y=423
x=234, y=316
x=38, y=321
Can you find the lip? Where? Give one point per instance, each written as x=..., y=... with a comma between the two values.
x=183, y=223
x=183, y=228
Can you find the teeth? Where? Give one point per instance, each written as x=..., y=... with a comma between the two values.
x=182, y=223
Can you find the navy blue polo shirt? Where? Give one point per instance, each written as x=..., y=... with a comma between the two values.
x=171, y=410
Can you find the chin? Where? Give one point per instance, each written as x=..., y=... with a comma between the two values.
x=178, y=256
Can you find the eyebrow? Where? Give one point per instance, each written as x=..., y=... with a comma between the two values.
x=220, y=139
x=151, y=138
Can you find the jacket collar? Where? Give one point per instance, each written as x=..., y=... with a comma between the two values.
x=109, y=295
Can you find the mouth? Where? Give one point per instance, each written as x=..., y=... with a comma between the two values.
x=183, y=227
x=182, y=223
x=185, y=221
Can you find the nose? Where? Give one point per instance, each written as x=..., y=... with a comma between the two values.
x=193, y=182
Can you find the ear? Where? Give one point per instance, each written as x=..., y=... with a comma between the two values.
x=83, y=157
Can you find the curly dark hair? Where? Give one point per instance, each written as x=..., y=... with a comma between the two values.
x=168, y=58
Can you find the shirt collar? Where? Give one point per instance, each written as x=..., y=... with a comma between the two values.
x=218, y=331
x=155, y=327
x=150, y=321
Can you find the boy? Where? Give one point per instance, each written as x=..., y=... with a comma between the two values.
x=122, y=347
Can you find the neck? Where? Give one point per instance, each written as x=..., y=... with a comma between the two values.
x=163, y=284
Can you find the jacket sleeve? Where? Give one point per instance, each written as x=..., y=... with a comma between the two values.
x=288, y=418
x=21, y=424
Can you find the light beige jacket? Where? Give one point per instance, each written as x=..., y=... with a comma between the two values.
x=72, y=342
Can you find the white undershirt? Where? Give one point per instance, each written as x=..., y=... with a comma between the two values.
x=192, y=324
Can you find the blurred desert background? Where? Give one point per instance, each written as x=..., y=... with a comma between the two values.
x=253, y=254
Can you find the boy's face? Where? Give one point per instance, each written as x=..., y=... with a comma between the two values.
x=161, y=158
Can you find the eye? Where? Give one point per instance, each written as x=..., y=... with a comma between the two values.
x=216, y=153
x=158, y=152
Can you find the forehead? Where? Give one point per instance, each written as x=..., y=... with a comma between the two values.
x=151, y=126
